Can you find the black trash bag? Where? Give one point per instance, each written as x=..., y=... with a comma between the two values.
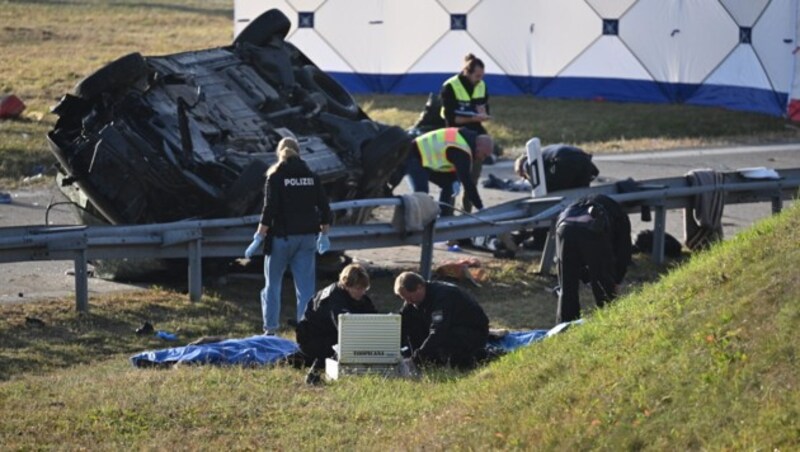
x=644, y=244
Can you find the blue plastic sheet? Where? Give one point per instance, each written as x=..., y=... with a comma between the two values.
x=516, y=339
x=251, y=351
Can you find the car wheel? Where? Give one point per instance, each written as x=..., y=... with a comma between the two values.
x=382, y=156
x=264, y=27
x=340, y=102
x=119, y=73
x=246, y=192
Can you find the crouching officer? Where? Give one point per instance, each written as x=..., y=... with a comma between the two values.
x=446, y=156
x=593, y=244
x=318, y=330
x=442, y=324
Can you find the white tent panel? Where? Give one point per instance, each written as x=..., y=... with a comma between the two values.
x=306, y=5
x=457, y=6
x=611, y=9
x=691, y=47
x=745, y=12
x=447, y=56
x=319, y=51
x=794, y=98
x=246, y=10
x=380, y=37
x=774, y=42
x=507, y=46
x=607, y=58
x=673, y=41
x=741, y=68
x=538, y=37
x=796, y=81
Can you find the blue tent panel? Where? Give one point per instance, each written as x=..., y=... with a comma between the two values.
x=617, y=90
x=423, y=83
x=740, y=98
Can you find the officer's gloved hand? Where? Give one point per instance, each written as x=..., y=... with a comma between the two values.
x=253, y=247
x=456, y=188
x=323, y=243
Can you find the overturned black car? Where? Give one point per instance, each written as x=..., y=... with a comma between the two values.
x=190, y=135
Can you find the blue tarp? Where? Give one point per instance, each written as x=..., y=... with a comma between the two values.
x=251, y=351
x=262, y=350
x=516, y=339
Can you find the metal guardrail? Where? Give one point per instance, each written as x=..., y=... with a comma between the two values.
x=197, y=239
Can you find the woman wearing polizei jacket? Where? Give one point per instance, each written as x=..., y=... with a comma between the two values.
x=295, y=210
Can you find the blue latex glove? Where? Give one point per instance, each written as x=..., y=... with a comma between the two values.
x=251, y=250
x=456, y=188
x=166, y=336
x=323, y=243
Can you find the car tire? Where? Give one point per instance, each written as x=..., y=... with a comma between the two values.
x=246, y=192
x=261, y=30
x=340, y=102
x=119, y=73
x=383, y=155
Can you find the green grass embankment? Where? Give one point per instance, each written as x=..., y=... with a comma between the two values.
x=707, y=358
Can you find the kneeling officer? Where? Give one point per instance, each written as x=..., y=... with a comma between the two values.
x=442, y=324
x=318, y=330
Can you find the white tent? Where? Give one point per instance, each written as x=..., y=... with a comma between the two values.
x=738, y=54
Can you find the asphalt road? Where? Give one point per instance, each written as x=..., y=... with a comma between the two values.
x=42, y=280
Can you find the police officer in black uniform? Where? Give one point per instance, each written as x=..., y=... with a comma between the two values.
x=318, y=330
x=593, y=244
x=442, y=324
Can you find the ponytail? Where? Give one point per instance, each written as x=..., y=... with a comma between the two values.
x=470, y=63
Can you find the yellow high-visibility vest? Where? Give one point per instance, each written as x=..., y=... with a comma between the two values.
x=433, y=148
x=463, y=98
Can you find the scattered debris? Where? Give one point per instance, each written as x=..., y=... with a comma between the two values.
x=5, y=198
x=145, y=329
x=33, y=321
x=11, y=107
x=468, y=270
x=167, y=336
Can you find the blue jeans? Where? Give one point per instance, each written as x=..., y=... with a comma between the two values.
x=299, y=253
x=419, y=177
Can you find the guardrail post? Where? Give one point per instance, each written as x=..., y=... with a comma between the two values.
x=195, y=270
x=549, y=251
x=659, y=229
x=426, y=255
x=777, y=203
x=81, y=282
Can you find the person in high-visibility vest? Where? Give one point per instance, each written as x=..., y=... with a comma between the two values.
x=446, y=156
x=465, y=103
